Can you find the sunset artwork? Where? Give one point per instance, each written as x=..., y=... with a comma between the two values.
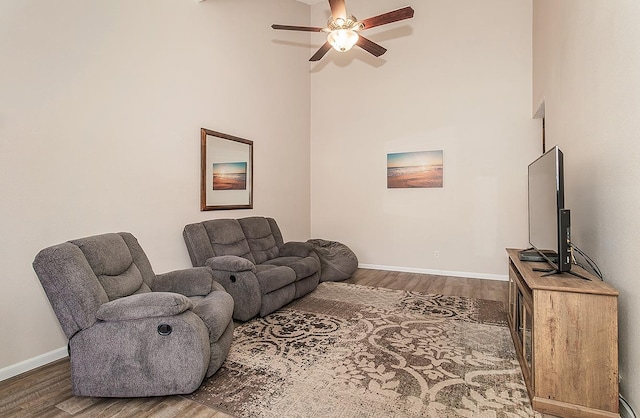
x=230, y=176
x=414, y=169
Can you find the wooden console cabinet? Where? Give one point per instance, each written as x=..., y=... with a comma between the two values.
x=565, y=331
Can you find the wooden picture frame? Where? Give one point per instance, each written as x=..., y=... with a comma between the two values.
x=226, y=167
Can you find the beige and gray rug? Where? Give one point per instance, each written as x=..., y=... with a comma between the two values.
x=349, y=350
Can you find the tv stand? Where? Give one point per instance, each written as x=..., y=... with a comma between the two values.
x=565, y=332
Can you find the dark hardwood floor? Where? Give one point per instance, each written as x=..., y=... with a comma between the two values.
x=46, y=391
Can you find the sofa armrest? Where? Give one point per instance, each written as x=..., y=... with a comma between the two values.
x=230, y=263
x=237, y=277
x=296, y=249
x=144, y=305
x=194, y=281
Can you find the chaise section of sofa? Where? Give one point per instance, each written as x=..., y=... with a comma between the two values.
x=250, y=259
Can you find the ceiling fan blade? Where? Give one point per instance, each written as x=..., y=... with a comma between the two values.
x=338, y=9
x=321, y=52
x=370, y=46
x=389, y=17
x=299, y=28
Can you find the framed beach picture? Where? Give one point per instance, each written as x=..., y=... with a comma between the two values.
x=420, y=169
x=226, y=167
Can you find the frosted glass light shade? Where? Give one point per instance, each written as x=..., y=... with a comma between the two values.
x=342, y=39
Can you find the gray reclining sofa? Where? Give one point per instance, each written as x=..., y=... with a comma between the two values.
x=250, y=259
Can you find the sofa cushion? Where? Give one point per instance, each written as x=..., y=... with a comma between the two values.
x=306, y=285
x=272, y=277
x=107, y=254
x=198, y=243
x=296, y=249
x=275, y=300
x=303, y=266
x=262, y=242
x=128, y=283
x=227, y=238
x=111, y=260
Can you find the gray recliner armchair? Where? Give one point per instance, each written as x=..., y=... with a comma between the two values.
x=250, y=259
x=133, y=333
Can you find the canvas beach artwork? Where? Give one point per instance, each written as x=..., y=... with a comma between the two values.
x=422, y=169
x=230, y=176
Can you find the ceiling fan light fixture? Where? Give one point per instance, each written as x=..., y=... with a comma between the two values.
x=342, y=39
x=343, y=29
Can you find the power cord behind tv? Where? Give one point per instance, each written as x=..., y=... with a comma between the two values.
x=592, y=264
x=626, y=409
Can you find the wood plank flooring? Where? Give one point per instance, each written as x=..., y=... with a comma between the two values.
x=441, y=285
x=46, y=391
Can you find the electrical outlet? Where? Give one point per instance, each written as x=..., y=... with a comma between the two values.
x=436, y=254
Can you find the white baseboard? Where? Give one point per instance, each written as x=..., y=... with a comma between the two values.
x=470, y=275
x=32, y=363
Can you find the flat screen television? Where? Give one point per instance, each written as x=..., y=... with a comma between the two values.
x=549, y=221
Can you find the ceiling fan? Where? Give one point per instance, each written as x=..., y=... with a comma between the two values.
x=344, y=29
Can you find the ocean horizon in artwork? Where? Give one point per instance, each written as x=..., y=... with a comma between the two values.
x=423, y=169
x=230, y=176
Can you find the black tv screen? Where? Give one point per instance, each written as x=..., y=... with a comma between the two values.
x=549, y=222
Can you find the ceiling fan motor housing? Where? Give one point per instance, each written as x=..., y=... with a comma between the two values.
x=349, y=23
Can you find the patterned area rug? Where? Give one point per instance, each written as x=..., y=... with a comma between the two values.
x=349, y=350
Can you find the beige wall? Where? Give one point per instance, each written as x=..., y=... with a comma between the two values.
x=457, y=77
x=101, y=106
x=586, y=71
